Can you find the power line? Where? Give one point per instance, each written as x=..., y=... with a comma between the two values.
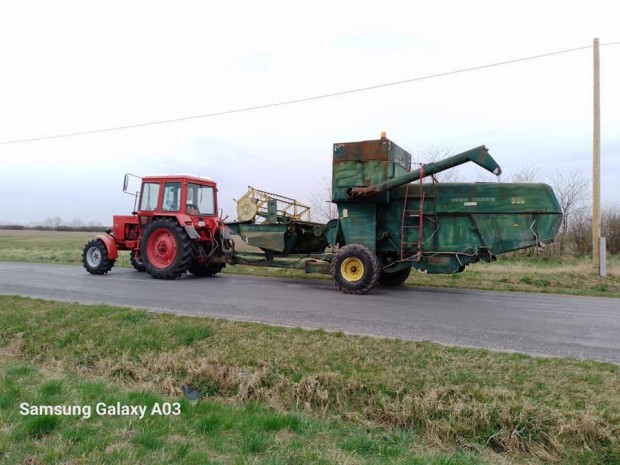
x=305, y=99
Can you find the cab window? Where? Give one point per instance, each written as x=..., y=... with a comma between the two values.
x=150, y=195
x=200, y=199
x=172, y=197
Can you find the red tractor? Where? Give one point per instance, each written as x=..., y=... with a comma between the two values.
x=174, y=229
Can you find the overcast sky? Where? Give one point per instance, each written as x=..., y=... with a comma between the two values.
x=71, y=66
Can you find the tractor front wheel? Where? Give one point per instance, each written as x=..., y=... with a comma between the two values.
x=395, y=278
x=355, y=269
x=95, y=257
x=166, y=250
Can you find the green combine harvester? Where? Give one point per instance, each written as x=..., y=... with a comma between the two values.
x=390, y=221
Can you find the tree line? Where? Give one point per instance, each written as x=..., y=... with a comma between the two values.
x=56, y=223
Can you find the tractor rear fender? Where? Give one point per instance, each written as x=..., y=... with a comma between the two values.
x=110, y=245
x=191, y=232
x=184, y=221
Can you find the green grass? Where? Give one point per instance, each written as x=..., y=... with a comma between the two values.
x=43, y=246
x=573, y=276
x=279, y=396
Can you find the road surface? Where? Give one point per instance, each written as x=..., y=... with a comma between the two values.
x=537, y=324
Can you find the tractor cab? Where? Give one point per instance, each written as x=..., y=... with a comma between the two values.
x=174, y=228
x=189, y=201
x=172, y=195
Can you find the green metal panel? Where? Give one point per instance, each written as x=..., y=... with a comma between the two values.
x=474, y=220
x=496, y=198
x=358, y=223
x=283, y=238
x=265, y=235
x=272, y=211
x=366, y=163
x=357, y=173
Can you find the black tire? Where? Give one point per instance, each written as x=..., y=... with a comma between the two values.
x=136, y=261
x=166, y=249
x=198, y=269
x=95, y=257
x=355, y=269
x=395, y=278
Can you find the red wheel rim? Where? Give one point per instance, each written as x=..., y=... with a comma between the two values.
x=162, y=248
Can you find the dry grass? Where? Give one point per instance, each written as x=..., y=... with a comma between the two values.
x=532, y=274
x=524, y=408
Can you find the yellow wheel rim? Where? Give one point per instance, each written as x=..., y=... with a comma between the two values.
x=352, y=269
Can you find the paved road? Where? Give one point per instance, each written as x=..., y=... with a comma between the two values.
x=581, y=327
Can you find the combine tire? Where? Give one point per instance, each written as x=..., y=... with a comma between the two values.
x=355, y=269
x=199, y=269
x=136, y=261
x=166, y=249
x=95, y=257
x=395, y=278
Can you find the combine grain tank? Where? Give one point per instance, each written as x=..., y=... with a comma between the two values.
x=389, y=221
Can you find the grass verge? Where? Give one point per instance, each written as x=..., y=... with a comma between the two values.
x=303, y=396
x=203, y=433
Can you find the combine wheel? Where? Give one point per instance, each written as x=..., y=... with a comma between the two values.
x=199, y=269
x=95, y=257
x=355, y=269
x=166, y=249
x=136, y=261
x=395, y=278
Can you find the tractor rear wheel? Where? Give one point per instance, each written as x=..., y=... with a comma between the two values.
x=95, y=257
x=136, y=261
x=395, y=278
x=200, y=269
x=355, y=269
x=166, y=249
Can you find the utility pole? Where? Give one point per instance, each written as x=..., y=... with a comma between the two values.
x=596, y=163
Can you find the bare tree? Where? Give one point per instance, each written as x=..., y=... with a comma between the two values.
x=611, y=228
x=572, y=192
x=485, y=176
x=579, y=234
x=323, y=209
x=527, y=173
x=52, y=222
x=435, y=152
x=76, y=223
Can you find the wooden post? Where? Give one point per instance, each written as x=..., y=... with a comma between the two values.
x=603, y=254
x=596, y=163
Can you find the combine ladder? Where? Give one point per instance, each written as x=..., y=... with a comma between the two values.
x=406, y=223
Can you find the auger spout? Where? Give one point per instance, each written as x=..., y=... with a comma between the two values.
x=479, y=155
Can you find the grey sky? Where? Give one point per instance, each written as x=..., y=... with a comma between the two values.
x=82, y=65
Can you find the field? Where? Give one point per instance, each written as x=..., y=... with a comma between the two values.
x=272, y=395
x=529, y=274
